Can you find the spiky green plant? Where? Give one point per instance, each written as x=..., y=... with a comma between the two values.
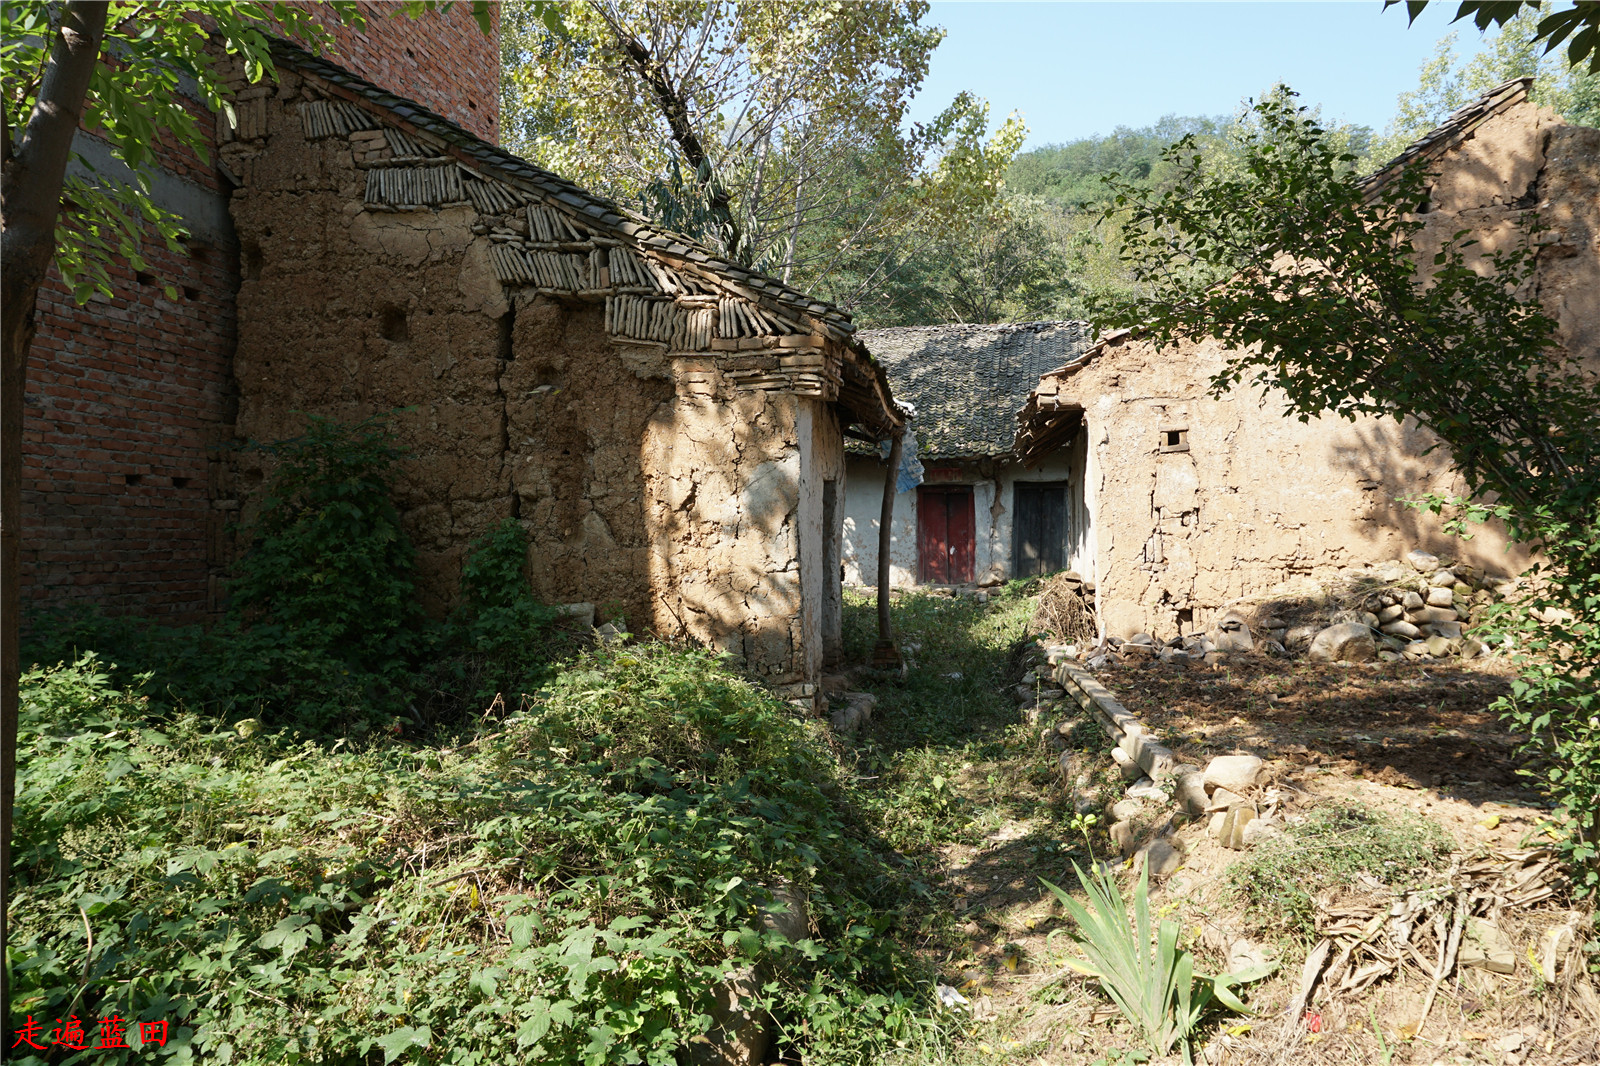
x=1147, y=976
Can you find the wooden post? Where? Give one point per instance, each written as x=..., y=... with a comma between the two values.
x=885, y=654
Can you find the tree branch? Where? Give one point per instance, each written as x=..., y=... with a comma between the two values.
x=675, y=109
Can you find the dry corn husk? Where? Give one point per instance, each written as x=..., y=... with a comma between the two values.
x=1373, y=941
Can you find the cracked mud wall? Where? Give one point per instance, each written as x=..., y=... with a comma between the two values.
x=730, y=485
x=578, y=410
x=1526, y=159
x=1260, y=499
x=346, y=313
x=648, y=485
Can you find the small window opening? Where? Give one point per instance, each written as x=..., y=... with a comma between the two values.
x=191, y=293
x=180, y=482
x=132, y=479
x=252, y=261
x=392, y=324
x=472, y=104
x=144, y=277
x=1174, y=438
x=1185, y=620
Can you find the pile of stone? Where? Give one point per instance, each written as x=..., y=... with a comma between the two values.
x=1425, y=616
x=847, y=711
x=1230, y=796
x=1422, y=610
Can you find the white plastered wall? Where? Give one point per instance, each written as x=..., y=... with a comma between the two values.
x=993, y=506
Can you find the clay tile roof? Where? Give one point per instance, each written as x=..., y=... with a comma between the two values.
x=968, y=382
x=515, y=171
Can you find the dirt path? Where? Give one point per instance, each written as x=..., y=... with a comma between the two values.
x=1414, y=743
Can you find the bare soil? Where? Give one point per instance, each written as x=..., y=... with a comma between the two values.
x=1391, y=737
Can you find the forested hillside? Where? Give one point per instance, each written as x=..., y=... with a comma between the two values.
x=1047, y=245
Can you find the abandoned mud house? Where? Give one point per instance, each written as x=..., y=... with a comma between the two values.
x=131, y=399
x=668, y=427
x=978, y=514
x=1196, y=503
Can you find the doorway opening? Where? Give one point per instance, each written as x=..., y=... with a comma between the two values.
x=1039, y=528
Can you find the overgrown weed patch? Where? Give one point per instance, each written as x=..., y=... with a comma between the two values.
x=1336, y=845
x=568, y=887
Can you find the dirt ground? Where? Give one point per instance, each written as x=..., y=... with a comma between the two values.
x=1402, y=737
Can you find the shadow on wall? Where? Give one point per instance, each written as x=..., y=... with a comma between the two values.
x=576, y=415
x=1391, y=461
x=724, y=491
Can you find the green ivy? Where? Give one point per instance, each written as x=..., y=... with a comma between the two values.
x=327, y=564
x=500, y=639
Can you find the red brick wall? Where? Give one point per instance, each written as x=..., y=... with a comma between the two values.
x=442, y=60
x=129, y=399
x=126, y=402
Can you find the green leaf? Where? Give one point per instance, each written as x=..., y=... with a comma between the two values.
x=403, y=1039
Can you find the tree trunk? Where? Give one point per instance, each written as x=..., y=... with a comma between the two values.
x=34, y=168
x=675, y=109
x=885, y=653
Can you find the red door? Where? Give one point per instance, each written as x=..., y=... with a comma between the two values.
x=946, y=534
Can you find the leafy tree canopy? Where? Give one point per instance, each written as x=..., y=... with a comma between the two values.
x=776, y=133
x=1578, y=25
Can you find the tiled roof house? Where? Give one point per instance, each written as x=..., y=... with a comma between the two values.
x=978, y=515
x=666, y=426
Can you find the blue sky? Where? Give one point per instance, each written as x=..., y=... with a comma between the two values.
x=1077, y=69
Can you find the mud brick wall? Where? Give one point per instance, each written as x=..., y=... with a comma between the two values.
x=738, y=541
x=130, y=398
x=649, y=484
x=1259, y=499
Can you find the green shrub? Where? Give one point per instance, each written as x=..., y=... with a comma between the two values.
x=499, y=641
x=327, y=563
x=567, y=890
x=323, y=632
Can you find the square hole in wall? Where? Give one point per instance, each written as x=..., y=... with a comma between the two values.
x=1174, y=438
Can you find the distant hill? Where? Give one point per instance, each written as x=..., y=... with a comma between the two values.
x=1069, y=174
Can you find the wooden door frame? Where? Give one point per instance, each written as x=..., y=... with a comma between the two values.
x=1063, y=484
